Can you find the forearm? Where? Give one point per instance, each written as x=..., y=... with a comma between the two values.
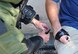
x=35, y=21
x=52, y=13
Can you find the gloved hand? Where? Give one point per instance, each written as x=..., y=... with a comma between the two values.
x=65, y=39
x=62, y=36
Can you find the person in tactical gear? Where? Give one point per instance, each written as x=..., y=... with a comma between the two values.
x=12, y=40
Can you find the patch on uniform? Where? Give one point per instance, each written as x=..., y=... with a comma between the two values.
x=3, y=28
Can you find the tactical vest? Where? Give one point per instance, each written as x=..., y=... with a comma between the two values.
x=11, y=39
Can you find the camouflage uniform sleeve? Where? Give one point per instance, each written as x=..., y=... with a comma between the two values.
x=12, y=1
x=11, y=41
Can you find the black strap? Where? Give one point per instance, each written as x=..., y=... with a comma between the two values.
x=60, y=34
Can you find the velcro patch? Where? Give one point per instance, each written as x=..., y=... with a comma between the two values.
x=3, y=28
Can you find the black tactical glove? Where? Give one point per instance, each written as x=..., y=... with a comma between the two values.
x=60, y=34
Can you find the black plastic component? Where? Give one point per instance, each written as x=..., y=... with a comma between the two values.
x=27, y=14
